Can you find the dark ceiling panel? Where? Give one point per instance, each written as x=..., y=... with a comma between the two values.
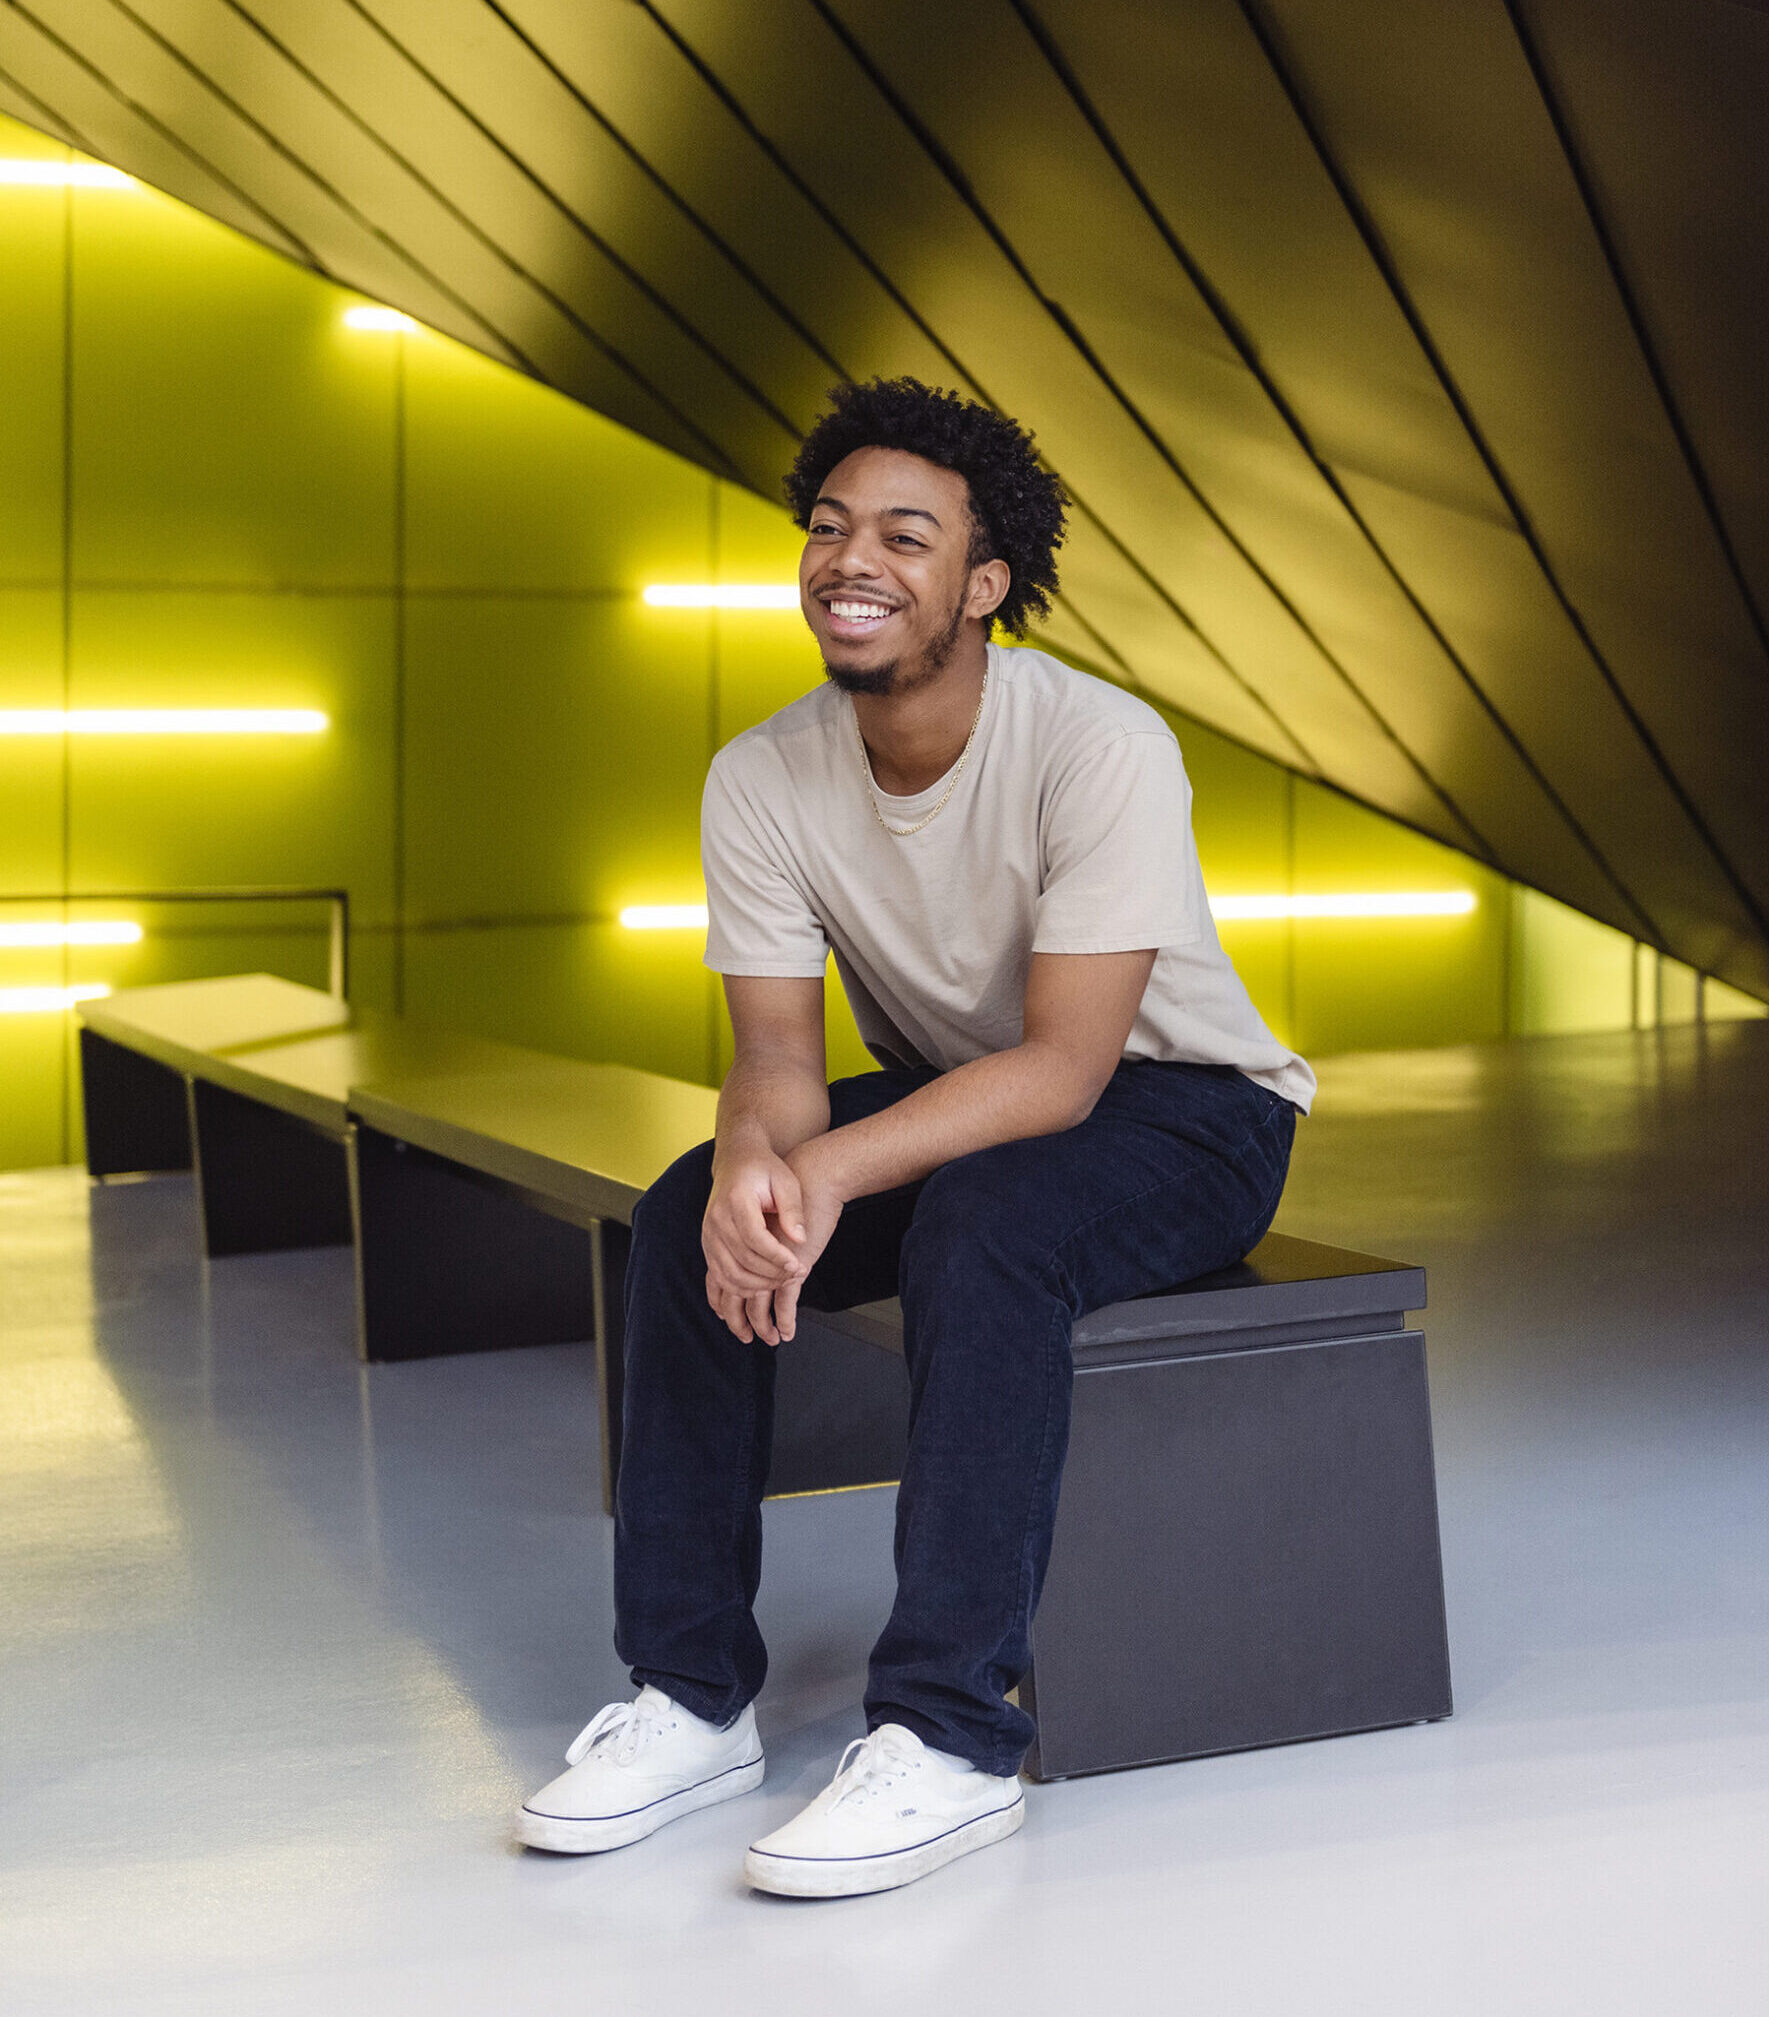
x=239, y=58
x=1439, y=122
x=1177, y=94
x=1668, y=106
x=804, y=89
x=1401, y=359
x=1154, y=332
x=50, y=60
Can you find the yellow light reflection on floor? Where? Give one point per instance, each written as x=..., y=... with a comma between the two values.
x=20, y=1001
x=110, y=931
x=162, y=721
x=706, y=595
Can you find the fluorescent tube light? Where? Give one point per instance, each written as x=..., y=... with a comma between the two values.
x=162, y=721
x=18, y=1001
x=108, y=932
x=1386, y=903
x=385, y=319
x=705, y=595
x=664, y=917
x=63, y=175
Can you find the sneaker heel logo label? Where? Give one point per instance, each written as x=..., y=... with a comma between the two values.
x=903, y=1813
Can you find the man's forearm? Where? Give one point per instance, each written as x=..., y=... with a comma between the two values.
x=1033, y=1089
x=772, y=1100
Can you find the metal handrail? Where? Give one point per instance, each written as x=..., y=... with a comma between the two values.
x=338, y=948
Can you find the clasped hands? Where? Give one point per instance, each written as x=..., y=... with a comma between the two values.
x=767, y=1223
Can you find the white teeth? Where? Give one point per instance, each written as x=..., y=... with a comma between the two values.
x=858, y=612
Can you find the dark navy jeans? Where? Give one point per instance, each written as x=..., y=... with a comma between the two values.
x=1177, y=1171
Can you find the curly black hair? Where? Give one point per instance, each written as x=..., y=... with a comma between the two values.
x=1017, y=505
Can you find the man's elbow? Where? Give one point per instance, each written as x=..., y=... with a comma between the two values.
x=1072, y=1085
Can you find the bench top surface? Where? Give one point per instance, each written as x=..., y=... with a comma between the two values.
x=179, y=1022
x=312, y=1076
x=1283, y=1281
x=593, y=1136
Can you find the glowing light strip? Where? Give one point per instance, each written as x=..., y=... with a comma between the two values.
x=20, y=1001
x=162, y=721
x=385, y=319
x=704, y=595
x=63, y=175
x=664, y=917
x=1386, y=903
x=108, y=932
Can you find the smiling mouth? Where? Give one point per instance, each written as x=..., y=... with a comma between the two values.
x=855, y=615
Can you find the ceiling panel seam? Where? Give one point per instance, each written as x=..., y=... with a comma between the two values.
x=579, y=224
x=55, y=125
x=734, y=106
x=1376, y=246
x=587, y=330
x=666, y=188
x=332, y=194
x=1636, y=318
x=1247, y=351
x=138, y=111
x=961, y=187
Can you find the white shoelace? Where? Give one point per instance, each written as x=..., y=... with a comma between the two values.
x=871, y=1763
x=624, y=1728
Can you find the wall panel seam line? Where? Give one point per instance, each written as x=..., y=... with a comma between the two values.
x=1383, y=260
x=1244, y=348
x=962, y=189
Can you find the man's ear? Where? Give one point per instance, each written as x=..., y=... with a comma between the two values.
x=988, y=588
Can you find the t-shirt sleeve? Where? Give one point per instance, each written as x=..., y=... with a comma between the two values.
x=1120, y=867
x=759, y=921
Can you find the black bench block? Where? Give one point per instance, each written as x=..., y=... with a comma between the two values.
x=135, y=1111
x=1246, y=1553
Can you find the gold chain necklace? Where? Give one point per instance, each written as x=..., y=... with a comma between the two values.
x=903, y=832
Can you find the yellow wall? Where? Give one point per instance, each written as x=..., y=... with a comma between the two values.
x=214, y=493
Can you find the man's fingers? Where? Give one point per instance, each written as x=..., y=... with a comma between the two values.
x=729, y=1307
x=789, y=1203
x=760, y=1312
x=748, y=1233
x=786, y=1311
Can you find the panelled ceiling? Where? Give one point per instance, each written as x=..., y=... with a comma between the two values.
x=1403, y=359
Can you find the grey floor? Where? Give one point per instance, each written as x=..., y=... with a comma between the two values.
x=285, y=1640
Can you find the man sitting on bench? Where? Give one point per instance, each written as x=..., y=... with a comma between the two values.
x=1077, y=1104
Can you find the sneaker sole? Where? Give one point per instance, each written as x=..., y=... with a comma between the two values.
x=566, y=1837
x=805, y=1877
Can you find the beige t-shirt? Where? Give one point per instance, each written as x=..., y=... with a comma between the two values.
x=1069, y=832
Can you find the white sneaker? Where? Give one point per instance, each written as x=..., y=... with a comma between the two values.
x=635, y=1766
x=894, y=1811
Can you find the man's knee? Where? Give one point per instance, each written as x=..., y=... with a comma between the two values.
x=971, y=1224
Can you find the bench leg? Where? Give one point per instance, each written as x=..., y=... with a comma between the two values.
x=265, y=1181
x=136, y=1117
x=448, y=1261
x=1246, y=1553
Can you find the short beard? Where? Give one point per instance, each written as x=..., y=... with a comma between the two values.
x=894, y=677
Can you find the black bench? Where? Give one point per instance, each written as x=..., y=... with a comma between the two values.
x=1246, y=1551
